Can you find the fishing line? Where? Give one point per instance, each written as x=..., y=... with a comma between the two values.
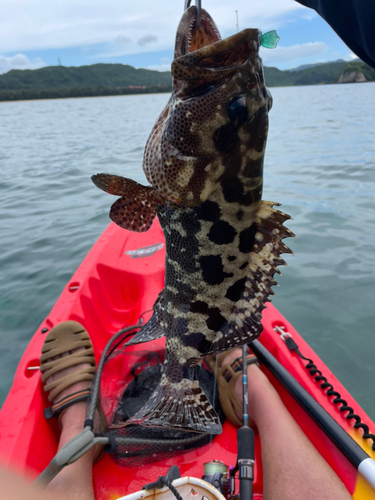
x=213, y=400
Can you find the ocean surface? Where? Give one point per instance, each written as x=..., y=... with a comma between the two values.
x=320, y=164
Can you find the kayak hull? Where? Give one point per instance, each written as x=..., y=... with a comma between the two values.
x=116, y=286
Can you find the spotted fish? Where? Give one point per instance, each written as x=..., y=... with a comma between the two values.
x=204, y=161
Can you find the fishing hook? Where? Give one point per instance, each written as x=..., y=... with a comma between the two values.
x=198, y=5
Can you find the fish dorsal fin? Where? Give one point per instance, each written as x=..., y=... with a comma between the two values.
x=153, y=329
x=244, y=323
x=136, y=209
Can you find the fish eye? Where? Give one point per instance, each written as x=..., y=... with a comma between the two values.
x=237, y=110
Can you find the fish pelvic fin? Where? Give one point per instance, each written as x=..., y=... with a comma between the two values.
x=136, y=209
x=251, y=293
x=182, y=406
x=153, y=329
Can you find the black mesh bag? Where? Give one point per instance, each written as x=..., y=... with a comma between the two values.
x=134, y=445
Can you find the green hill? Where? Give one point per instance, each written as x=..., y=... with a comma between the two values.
x=94, y=80
x=357, y=71
x=119, y=79
x=313, y=75
x=106, y=75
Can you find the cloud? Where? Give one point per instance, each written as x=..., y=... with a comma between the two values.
x=19, y=61
x=41, y=24
x=164, y=66
x=282, y=54
x=123, y=40
x=350, y=57
x=147, y=39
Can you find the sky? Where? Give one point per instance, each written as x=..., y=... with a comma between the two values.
x=38, y=33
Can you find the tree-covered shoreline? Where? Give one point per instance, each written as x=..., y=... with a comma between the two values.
x=57, y=82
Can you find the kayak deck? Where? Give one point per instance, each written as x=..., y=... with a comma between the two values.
x=115, y=286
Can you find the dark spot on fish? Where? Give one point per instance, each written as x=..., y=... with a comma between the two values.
x=247, y=238
x=222, y=233
x=247, y=199
x=239, y=214
x=190, y=224
x=252, y=196
x=196, y=390
x=215, y=320
x=226, y=138
x=232, y=258
x=213, y=270
x=196, y=340
x=244, y=265
x=260, y=124
x=254, y=168
x=234, y=292
x=199, y=306
x=209, y=210
x=232, y=189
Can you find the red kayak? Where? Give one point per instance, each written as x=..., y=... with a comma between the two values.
x=115, y=286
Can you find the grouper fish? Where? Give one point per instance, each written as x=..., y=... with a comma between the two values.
x=204, y=162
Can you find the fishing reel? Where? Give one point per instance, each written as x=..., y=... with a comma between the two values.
x=215, y=473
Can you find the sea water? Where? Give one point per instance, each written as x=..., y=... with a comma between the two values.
x=320, y=164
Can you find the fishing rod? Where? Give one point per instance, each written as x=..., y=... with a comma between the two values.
x=245, y=444
x=350, y=449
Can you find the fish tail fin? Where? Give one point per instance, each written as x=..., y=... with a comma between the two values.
x=183, y=406
x=136, y=209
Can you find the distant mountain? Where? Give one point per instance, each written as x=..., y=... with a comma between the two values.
x=313, y=75
x=107, y=75
x=304, y=66
x=119, y=79
x=94, y=80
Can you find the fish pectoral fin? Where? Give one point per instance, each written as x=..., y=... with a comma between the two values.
x=136, y=209
x=153, y=329
x=251, y=293
x=183, y=406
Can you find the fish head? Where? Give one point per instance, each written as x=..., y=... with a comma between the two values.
x=214, y=129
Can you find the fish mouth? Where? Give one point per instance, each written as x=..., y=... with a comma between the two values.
x=202, y=56
x=191, y=37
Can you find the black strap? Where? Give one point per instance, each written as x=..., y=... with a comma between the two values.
x=62, y=404
x=160, y=483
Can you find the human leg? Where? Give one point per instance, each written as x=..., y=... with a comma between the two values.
x=74, y=482
x=292, y=467
x=68, y=365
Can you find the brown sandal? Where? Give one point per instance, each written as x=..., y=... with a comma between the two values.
x=63, y=338
x=226, y=377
